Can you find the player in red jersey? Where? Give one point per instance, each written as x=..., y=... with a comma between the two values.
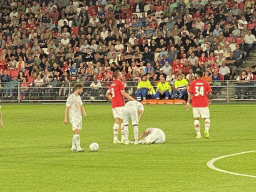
x=116, y=94
x=199, y=92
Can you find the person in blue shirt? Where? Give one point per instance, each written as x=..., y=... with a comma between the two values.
x=73, y=70
x=164, y=59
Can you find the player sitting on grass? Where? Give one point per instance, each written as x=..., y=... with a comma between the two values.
x=199, y=92
x=152, y=135
x=74, y=107
x=133, y=111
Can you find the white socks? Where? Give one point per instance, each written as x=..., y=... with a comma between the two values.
x=115, y=131
x=135, y=132
x=197, y=127
x=122, y=131
x=126, y=133
x=207, y=124
x=76, y=141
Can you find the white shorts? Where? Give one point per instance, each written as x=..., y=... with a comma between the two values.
x=130, y=114
x=76, y=124
x=201, y=112
x=118, y=112
x=156, y=137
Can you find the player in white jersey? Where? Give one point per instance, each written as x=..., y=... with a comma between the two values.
x=74, y=107
x=133, y=111
x=152, y=135
x=1, y=120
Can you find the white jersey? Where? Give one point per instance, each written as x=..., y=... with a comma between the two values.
x=74, y=102
x=134, y=104
x=155, y=136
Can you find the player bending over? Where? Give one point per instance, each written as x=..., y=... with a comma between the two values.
x=133, y=111
x=199, y=92
x=74, y=107
x=116, y=94
x=152, y=135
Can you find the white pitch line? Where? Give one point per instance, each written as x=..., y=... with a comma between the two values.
x=211, y=162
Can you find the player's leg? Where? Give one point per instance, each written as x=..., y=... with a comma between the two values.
x=205, y=113
x=126, y=124
x=135, y=123
x=122, y=133
x=118, y=115
x=76, y=126
x=196, y=115
x=115, y=130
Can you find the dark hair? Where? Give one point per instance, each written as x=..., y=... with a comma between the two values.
x=116, y=73
x=78, y=86
x=199, y=73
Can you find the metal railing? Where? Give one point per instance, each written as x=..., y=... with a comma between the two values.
x=225, y=91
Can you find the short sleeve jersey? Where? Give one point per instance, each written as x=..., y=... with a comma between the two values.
x=199, y=89
x=74, y=102
x=115, y=92
x=135, y=104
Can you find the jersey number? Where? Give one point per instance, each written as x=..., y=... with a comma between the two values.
x=199, y=91
x=112, y=92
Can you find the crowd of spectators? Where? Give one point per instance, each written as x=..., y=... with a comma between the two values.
x=52, y=43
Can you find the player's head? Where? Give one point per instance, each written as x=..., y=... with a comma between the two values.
x=78, y=88
x=117, y=75
x=199, y=74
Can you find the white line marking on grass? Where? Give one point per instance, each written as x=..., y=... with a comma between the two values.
x=210, y=164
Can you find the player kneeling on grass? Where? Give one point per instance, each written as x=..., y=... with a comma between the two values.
x=199, y=92
x=74, y=107
x=133, y=111
x=152, y=135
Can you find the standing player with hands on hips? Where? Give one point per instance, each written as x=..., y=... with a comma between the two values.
x=74, y=107
x=116, y=94
x=199, y=92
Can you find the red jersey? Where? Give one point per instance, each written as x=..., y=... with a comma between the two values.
x=115, y=92
x=199, y=89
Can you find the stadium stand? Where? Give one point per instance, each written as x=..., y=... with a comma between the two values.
x=53, y=43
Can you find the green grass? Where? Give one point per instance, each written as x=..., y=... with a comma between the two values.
x=35, y=151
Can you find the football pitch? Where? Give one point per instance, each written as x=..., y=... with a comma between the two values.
x=35, y=151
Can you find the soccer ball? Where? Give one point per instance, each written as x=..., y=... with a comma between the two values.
x=94, y=147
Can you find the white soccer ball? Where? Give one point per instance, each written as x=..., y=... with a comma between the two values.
x=94, y=147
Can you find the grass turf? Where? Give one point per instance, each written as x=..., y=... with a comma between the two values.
x=35, y=151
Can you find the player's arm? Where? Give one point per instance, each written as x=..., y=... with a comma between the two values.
x=83, y=111
x=189, y=100
x=66, y=115
x=1, y=120
x=144, y=134
x=140, y=114
x=108, y=95
x=127, y=96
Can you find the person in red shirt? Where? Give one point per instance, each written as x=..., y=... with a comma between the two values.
x=116, y=94
x=199, y=92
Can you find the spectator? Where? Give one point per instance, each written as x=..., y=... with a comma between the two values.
x=180, y=87
x=241, y=88
x=143, y=88
x=207, y=78
x=166, y=68
x=163, y=88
